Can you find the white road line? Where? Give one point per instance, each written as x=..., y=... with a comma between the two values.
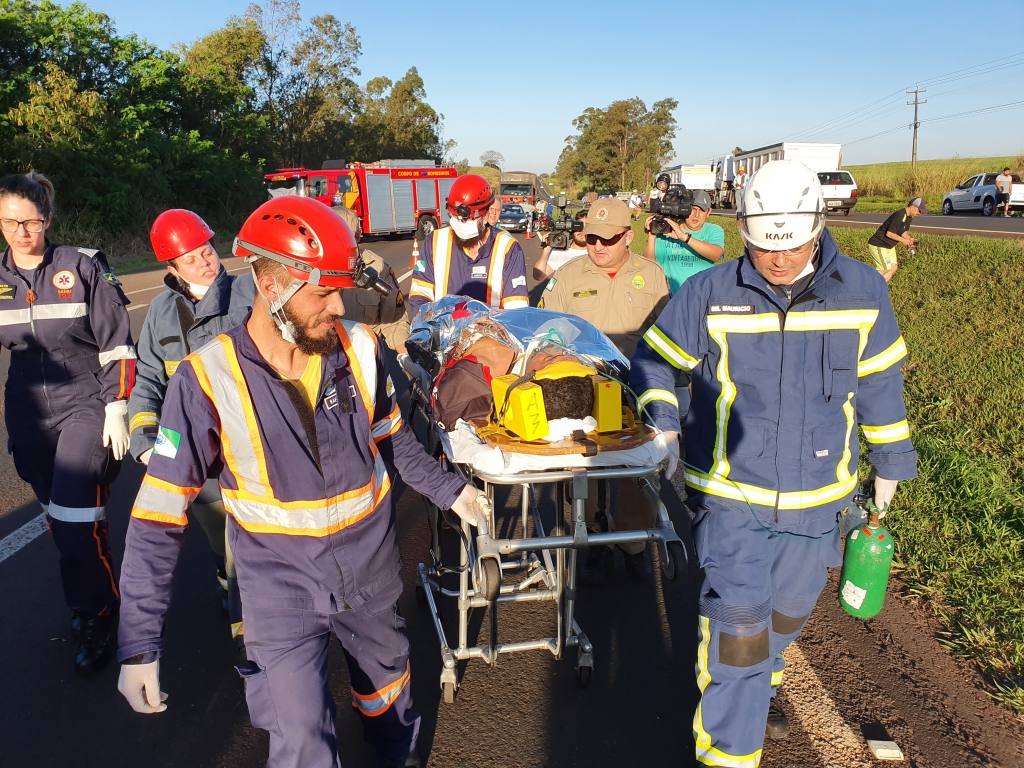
x=29, y=532
x=405, y=277
x=834, y=740
x=161, y=284
x=133, y=307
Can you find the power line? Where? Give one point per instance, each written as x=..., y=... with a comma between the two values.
x=979, y=110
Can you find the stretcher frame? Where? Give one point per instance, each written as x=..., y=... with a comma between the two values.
x=546, y=561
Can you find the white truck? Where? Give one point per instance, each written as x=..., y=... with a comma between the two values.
x=724, y=168
x=817, y=157
x=693, y=176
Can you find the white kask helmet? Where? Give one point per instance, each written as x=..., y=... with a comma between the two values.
x=781, y=207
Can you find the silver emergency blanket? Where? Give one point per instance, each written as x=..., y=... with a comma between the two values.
x=444, y=329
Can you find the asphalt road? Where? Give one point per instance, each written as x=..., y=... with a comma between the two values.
x=960, y=224
x=528, y=711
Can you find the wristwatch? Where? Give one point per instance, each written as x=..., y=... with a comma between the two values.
x=689, y=237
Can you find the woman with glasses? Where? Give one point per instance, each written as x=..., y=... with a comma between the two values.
x=201, y=301
x=63, y=317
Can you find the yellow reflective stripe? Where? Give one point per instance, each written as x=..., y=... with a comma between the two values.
x=143, y=419
x=777, y=677
x=496, y=272
x=320, y=517
x=243, y=450
x=765, y=497
x=421, y=288
x=883, y=360
x=387, y=427
x=170, y=366
x=512, y=302
x=237, y=629
x=442, y=251
x=163, y=502
x=669, y=350
x=887, y=433
x=247, y=409
x=362, y=354
x=380, y=701
x=843, y=469
x=831, y=320
x=765, y=322
x=716, y=757
x=657, y=394
x=722, y=406
x=700, y=734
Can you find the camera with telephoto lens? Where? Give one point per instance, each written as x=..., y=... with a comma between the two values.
x=369, y=278
x=676, y=204
x=563, y=227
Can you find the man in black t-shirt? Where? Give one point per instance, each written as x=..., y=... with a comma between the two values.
x=882, y=245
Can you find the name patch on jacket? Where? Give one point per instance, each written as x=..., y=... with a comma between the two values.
x=731, y=309
x=7, y=291
x=583, y=294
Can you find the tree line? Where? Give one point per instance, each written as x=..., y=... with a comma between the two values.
x=126, y=129
x=619, y=147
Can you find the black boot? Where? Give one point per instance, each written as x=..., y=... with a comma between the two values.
x=96, y=641
x=596, y=566
x=777, y=726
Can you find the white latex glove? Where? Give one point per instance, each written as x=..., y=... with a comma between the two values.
x=144, y=458
x=669, y=441
x=140, y=685
x=468, y=506
x=115, y=428
x=884, y=491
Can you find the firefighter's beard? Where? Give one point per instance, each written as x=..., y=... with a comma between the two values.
x=303, y=333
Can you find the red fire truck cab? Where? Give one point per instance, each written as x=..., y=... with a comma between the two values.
x=389, y=196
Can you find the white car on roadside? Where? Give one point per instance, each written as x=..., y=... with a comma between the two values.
x=839, y=190
x=978, y=193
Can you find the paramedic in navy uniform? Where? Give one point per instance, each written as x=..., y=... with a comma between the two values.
x=63, y=316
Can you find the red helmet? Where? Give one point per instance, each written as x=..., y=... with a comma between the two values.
x=470, y=197
x=176, y=232
x=304, y=235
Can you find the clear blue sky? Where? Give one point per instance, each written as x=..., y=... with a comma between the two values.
x=512, y=76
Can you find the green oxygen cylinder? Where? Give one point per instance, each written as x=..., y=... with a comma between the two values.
x=866, y=565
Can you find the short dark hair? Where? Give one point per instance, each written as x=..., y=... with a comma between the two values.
x=1006, y=168
x=31, y=186
x=264, y=266
x=571, y=397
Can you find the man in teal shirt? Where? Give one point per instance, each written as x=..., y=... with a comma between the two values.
x=690, y=247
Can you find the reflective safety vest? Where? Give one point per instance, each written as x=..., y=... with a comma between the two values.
x=451, y=272
x=307, y=491
x=778, y=391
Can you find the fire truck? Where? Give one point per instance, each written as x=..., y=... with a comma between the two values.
x=389, y=196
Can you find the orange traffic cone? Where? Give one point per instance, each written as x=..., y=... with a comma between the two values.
x=529, y=233
x=415, y=253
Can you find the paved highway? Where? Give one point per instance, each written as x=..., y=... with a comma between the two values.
x=527, y=712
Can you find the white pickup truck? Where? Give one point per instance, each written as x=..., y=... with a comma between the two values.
x=978, y=193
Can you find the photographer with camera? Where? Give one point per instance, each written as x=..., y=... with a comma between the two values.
x=661, y=185
x=561, y=246
x=680, y=238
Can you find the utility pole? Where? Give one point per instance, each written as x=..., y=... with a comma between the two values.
x=918, y=90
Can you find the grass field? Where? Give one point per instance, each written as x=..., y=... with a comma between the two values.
x=887, y=186
x=959, y=527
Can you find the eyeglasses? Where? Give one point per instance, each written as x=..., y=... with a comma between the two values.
x=605, y=241
x=32, y=226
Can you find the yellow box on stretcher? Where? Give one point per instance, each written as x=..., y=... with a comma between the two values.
x=525, y=416
x=607, y=404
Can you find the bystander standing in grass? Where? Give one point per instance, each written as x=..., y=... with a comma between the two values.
x=882, y=245
x=1004, y=185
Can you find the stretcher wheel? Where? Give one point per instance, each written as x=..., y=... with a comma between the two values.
x=583, y=675
x=448, y=692
x=675, y=560
x=490, y=578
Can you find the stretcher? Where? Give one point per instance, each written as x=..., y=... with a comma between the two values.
x=517, y=558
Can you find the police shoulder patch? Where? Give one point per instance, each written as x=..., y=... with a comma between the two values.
x=111, y=278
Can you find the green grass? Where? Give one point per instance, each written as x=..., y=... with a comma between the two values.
x=887, y=186
x=959, y=527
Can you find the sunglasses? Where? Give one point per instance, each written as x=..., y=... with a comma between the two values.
x=605, y=241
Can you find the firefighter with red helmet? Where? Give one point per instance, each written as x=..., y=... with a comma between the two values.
x=63, y=318
x=295, y=414
x=201, y=301
x=469, y=257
